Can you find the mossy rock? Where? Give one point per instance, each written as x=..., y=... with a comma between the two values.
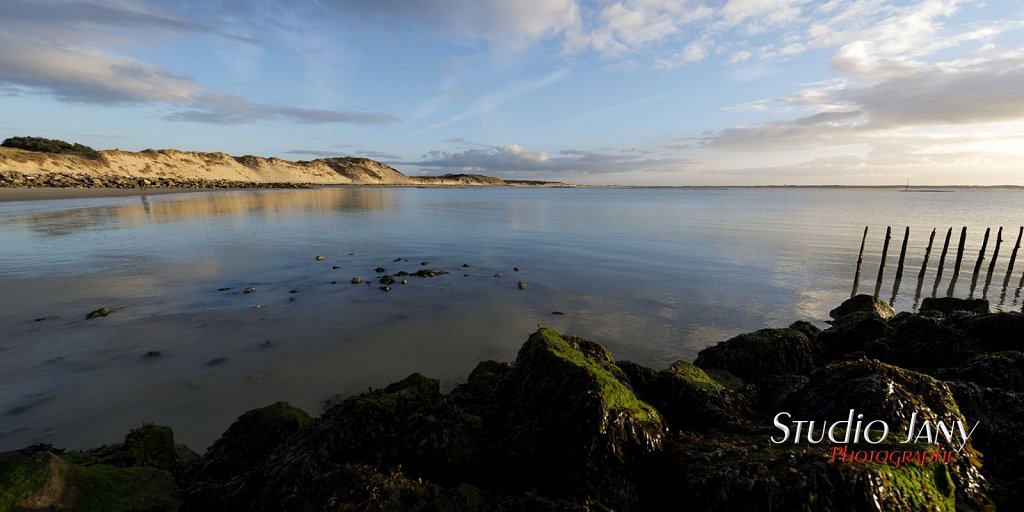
x=863, y=303
x=40, y=479
x=922, y=344
x=249, y=441
x=1000, y=417
x=99, y=313
x=754, y=356
x=146, y=446
x=476, y=395
x=688, y=397
x=892, y=394
x=810, y=330
x=571, y=422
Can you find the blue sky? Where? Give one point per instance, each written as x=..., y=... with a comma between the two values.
x=644, y=92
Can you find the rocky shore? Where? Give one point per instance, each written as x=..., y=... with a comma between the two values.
x=567, y=427
x=69, y=180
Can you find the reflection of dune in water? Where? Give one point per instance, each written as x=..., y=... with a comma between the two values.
x=165, y=209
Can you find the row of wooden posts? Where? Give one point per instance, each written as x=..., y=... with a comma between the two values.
x=942, y=261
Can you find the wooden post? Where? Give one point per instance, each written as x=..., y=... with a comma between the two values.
x=1013, y=258
x=903, y=254
x=981, y=255
x=881, y=265
x=927, y=253
x=995, y=253
x=959, y=260
x=860, y=261
x=942, y=263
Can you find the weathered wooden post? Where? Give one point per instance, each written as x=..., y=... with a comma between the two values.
x=899, y=267
x=942, y=262
x=959, y=260
x=977, y=266
x=927, y=254
x=881, y=265
x=860, y=261
x=1013, y=258
x=992, y=265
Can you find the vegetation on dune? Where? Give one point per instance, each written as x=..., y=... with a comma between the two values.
x=44, y=145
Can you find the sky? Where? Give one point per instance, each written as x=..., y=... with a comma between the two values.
x=628, y=92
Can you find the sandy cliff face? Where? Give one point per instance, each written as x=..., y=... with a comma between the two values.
x=205, y=166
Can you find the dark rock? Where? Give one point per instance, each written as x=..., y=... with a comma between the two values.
x=557, y=313
x=153, y=353
x=521, y=285
x=223, y=289
x=1003, y=370
x=429, y=273
x=294, y=291
x=147, y=446
x=571, y=424
x=687, y=397
x=810, y=330
x=397, y=260
x=380, y=269
x=476, y=395
x=246, y=444
x=217, y=360
x=946, y=305
x=863, y=303
x=40, y=319
x=357, y=280
x=515, y=269
x=405, y=281
x=386, y=280
x=385, y=288
x=320, y=258
x=754, y=356
x=884, y=392
x=999, y=414
x=998, y=332
x=249, y=289
x=401, y=273
x=101, y=312
x=335, y=267
x=424, y=263
x=465, y=265
x=849, y=335
x=922, y=344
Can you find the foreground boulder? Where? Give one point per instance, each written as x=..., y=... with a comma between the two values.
x=947, y=305
x=863, y=303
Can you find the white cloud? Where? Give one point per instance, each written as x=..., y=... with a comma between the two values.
x=495, y=99
x=691, y=53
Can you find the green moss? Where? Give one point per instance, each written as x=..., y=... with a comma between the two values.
x=915, y=487
x=282, y=411
x=20, y=476
x=692, y=374
x=98, y=313
x=608, y=378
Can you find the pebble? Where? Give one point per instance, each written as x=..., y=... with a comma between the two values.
x=387, y=280
x=557, y=313
x=217, y=360
x=153, y=353
x=466, y=265
x=521, y=285
x=386, y=288
x=294, y=291
x=334, y=282
x=515, y=269
x=397, y=259
x=405, y=281
x=498, y=274
x=424, y=263
x=357, y=280
x=335, y=267
x=320, y=258
x=249, y=289
x=380, y=269
x=40, y=319
x=98, y=313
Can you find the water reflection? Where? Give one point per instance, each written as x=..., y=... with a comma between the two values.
x=203, y=205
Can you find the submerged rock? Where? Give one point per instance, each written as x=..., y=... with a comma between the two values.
x=947, y=305
x=101, y=312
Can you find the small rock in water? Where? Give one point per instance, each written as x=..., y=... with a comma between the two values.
x=515, y=269
x=334, y=282
x=257, y=306
x=521, y=285
x=387, y=280
x=335, y=267
x=320, y=258
x=498, y=274
x=40, y=319
x=466, y=265
x=402, y=273
x=397, y=259
x=249, y=289
x=557, y=313
x=386, y=288
x=217, y=360
x=294, y=291
x=405, y=281
x=153, y=353
x=465, y=275
x=98, y=313
x=223, y=289
x=424, y=263
x=291, y=299
x=357, y=280
x=266, y=344
x=380, y=269
x=351, y=254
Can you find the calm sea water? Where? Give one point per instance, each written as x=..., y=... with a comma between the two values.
x=654, y=274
